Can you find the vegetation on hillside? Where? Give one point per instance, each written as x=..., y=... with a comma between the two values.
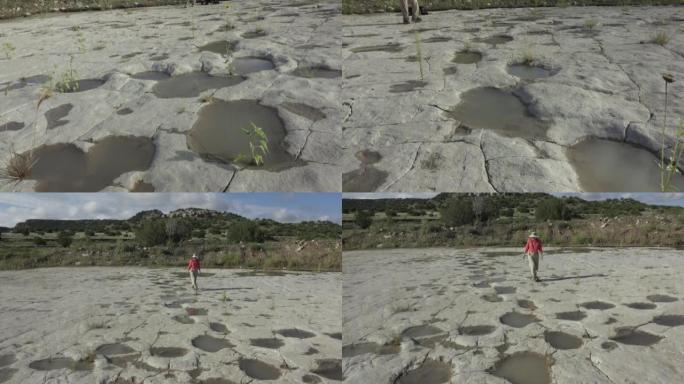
x=153, y=239
x=464, y=220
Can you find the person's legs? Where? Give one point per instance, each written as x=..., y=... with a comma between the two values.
x=535, y=258
x=416, y=11
x=404, y=10
x=193, y=280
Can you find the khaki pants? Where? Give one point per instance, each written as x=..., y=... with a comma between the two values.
x=193, y=278
x=405, y=9
x=533, y=259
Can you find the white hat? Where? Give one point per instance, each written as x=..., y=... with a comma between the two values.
x=194, y=256
x=533, y=234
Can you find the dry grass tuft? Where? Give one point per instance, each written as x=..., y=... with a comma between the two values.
x=18, y=167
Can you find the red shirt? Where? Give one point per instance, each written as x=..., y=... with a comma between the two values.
x=534, y=245
x=194, y=264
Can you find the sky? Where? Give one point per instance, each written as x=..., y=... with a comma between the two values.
x=674, y=199
x=283, y=207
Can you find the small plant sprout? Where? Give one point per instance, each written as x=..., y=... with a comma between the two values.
x=258, y=144
x=528, y=56
x=8, y=50
x=669, y=164
x=419, y=55
x=661, y=38
x=225, y=297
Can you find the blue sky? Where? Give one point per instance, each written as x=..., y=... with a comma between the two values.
x=675, y=199
x=283, y=207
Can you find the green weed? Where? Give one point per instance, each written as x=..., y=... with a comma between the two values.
x=258, y=145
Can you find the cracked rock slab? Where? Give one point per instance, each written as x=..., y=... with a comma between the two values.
x=418, y=305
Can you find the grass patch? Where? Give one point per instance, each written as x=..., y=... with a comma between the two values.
x=661, y=38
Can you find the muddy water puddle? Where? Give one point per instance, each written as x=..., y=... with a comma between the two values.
x=168, y=352
x=476, y=330
x=192, y=84
x=151, y=75
x=379, y=48
x=114, y=349
x=430, y=372
x=184, y=319
x=367, y=178
x=467, y=57
x=220, y=47
x=631, y=336
x=352, y=350
x=527, y=304
x=606, y=165
x=7, y=359
x=61, y=363
x=6, y=374
x=218, y=327
x=562, y=340
x=504, y=290
x=210, y=344
x=497, y=110
x=661, y=298
x=66, y=168
x=270, y=343
x=642, y=306
x=259, y=370
x=573, y=315
x=316, y=72
x=529, y=72
x=295, y=333
x=420, y=331
x=669, y=320
x=524, y=368
x=82, y=85
x=600, y=305
x=494, y=40
x=55, y=117
x=517, y=320
x=225, y=130
x=196, y=311
x=247, y=65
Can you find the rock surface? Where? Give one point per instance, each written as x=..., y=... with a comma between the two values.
x=115, y=46
x=606, y=82
x=472, y=309
x=147, y=323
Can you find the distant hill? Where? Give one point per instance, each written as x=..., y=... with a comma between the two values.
x=196, y=218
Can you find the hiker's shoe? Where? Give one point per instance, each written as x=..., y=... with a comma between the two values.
x=417, y=19
x=406, y=21
x=537, y=279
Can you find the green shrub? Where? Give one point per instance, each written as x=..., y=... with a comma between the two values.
x=65, y=239
x=363, y=219
x=246, y=231
x=457, y=212
x=552, y=209
x=151, y=233
x=39, y=240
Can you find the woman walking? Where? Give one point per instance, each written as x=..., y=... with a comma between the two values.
x=533, y=249
x=194, y=268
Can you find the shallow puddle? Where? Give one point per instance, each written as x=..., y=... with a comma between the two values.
x=641, y=305
x=317, y=72
x=7, y=359
x=498, y=110
x=528, y=72
x=334, y=335
x=6, y=374
x=476, y=330
x=504, y=290
x=219, y=133
x=517, y=320
x=259, y=370
x=329, y=368
x=524, y=368
x=311, y=379
x=527, y=304
x=192, y=84
x=600, y=305
x=12, y=126
x=83, y=85
x=430, y=372
x=61, y=363
x=562, y=340
x=218, y=327
x=247, y=65
x=196, y=311
x=630, y=336
x=114, y=349
x=168, y=352
x=379, y=48
x=467, y=57
x=608, y=345
x=296, y=333
x=606, y=165
x=492, y=298
x=661, y=298
x=421, y=331
x=210, y=344
x=66, y=168
x=220, y=47
x=574, y=315
x=271, y=343
x=55, y=116
x=669, y=320
x=367, y=178
x=437, y=39
x=151, y=75
x=407, y=86
x=494, y=40
x=352, y=350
